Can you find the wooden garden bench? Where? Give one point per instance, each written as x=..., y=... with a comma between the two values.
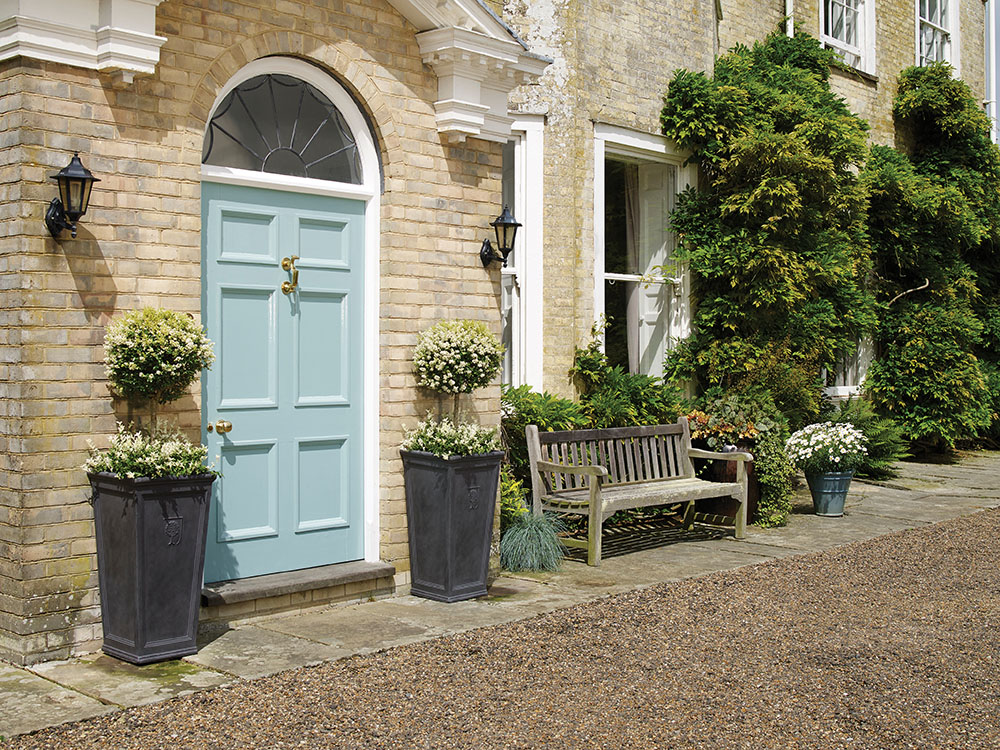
x=594, y=473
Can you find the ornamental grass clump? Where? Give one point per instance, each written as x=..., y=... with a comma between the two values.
x=827, y=447
x=532, y=543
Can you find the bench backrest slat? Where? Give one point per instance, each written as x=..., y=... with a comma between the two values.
x=630, y=454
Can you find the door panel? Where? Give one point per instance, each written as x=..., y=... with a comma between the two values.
x=288, y=378
x=657, y=186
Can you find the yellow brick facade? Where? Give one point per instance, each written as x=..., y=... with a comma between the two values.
x=140, y=244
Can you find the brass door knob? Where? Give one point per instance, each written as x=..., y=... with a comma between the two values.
x=221, y=427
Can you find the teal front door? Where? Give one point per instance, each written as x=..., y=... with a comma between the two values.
x=287, y=378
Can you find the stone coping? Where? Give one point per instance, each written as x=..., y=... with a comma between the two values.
x=293, y=582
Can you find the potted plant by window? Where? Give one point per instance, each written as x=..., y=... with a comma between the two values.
x=451, y=468
x=828, y=453
x=151, y=494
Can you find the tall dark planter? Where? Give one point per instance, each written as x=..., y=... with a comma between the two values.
x=449, y=510
x=150, y=562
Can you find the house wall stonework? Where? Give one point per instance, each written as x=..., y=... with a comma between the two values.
x=140, y=244
x=612, y=64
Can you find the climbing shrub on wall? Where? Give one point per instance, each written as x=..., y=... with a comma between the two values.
x=775, y=237
x=934, y=223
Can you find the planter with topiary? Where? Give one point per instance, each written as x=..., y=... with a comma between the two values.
x=451, y=469
x=151, y=494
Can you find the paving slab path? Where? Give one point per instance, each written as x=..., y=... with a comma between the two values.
x=879, y=629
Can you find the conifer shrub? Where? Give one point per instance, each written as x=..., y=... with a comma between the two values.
x=775, y=236
x=934, y=223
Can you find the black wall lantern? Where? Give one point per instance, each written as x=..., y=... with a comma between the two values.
x=75, y=182
x=506, y=228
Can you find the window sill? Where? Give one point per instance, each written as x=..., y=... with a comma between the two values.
x=856, y=73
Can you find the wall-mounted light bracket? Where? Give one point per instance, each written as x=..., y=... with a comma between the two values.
x=505, y=226
x=75, y=183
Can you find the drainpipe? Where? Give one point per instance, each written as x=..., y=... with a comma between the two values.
x=790, y=17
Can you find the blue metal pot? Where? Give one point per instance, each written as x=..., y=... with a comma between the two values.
x=829, y=491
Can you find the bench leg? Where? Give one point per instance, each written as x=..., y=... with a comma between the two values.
x=595, y=527
x=741, y=519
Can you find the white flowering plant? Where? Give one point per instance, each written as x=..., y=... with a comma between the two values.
x=165, y=453
x=445, y=438
x=457, y=356
x=153, y=355
x=827, y=447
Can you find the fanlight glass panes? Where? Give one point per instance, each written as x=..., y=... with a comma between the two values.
x=279, y=124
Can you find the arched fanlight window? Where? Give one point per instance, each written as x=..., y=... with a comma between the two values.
x=282, y=125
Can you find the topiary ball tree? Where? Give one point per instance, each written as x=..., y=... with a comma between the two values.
x=152, y=356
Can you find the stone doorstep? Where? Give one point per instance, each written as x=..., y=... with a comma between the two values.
x=282, y=591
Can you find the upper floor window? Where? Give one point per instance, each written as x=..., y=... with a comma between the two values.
x=934, y=31
x=848, y=27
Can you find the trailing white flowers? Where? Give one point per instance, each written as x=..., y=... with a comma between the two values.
x=827, y=447
x=445, y=438
x=135, y=454
x=457, y=356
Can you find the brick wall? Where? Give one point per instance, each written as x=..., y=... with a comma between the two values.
x=139, y=244
x=613, y=63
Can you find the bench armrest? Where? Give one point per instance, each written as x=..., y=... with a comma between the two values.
x=596, y=471
x=734, y=456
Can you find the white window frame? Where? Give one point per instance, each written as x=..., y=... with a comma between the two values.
x=992, y=64
x=852, y=373
x=610, y=141
x=865, y=50
x=527, y=268
x=950, y=28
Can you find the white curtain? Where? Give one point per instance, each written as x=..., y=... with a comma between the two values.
x=632, y=261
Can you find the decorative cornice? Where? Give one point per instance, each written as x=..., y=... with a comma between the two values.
x=475, y=73
x=111, y=35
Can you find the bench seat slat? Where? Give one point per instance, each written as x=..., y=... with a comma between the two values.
x=639, y=495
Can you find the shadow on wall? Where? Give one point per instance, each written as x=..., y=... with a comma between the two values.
x=93, y=278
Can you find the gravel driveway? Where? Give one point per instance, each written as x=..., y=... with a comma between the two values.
x=889, y=643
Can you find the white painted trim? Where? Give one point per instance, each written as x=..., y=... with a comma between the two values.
x=867, y=46
x=475, y=73
x=530, y=161
x=368, y=191
x=115, y=35
x=952, y=27
x=612, y=140
x=251, y=178
x=992, y=65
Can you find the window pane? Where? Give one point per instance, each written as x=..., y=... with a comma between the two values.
x=281, y=125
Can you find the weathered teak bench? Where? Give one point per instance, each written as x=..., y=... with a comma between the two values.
x=594, y=473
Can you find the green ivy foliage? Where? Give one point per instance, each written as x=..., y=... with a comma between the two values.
x=934, y=223
x=774, y=478
x=775, y=238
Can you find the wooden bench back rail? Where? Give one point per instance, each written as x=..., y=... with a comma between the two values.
x=630, y=454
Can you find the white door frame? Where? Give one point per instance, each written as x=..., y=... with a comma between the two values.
x=370, y=192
